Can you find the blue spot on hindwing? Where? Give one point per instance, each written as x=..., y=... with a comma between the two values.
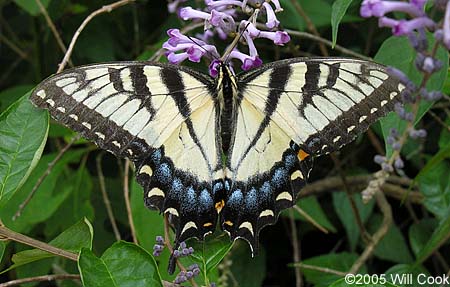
x=236, y=198
x=290, y=160
x=279, y=177
x=251, y=202
x=217, y=187
x=189, y=200
x=156, y=156
x=177, y=185
x=163, y=174
x=205, y=200
x=266, y=189
x=227, y=185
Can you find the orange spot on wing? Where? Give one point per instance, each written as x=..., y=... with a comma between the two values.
x=219, y=205
x=229, y=223
x=302, y=155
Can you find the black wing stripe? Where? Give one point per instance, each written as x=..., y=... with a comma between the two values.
x=174, y=82
x=311, y=77
x=114, y=77
x=139, y=81
x=278, y=80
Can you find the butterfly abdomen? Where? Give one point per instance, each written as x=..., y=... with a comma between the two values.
x=227, y=90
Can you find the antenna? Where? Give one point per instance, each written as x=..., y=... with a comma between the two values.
x=201, y=47
x=238, y=37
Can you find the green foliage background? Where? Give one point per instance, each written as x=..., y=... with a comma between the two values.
x=68, y=212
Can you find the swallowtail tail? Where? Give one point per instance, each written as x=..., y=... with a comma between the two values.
x=233, y=150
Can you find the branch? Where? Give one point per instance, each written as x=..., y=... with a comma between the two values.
x=170, y=248
x=392, y=187
x=41, y=279
x=310, y=25
x=296, y=248
x=104, y=9
x=13, y=47
x=52, y=27
x=320, y=269
x=386, y=210
x=6, y=233
x=126, y=195
x=310, y=219
x=106, y=200
x=328, y=43
x=364, y=234
x=50, y=167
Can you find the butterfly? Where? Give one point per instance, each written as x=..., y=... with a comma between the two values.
x=233, y=150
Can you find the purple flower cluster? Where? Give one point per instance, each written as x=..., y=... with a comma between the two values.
x=414, y=28
x=159, y=246
x=190, y=273
x=223, y=18
x=183, y=250
x=418, y=19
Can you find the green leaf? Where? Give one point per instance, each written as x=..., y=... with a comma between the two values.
x=336, y=261
x=400, y=275
x=247, y=271
x=23, y=133
x=76, y=206
x=93, y=271
x=337, y=13
x=148, y=223
x=393, y=246
x=46, y=199
x=312, y=207
x=34, y=269
x=73, y=239
x=2, y=249
x=210, y=252
x=388, y=54
x=344, y=211
x=444, y=138
x=438, y=238
x=419, y=233
x=31, y=6
x=9, y=96
x=443, y=153
x=435, y=186
x=123, y=264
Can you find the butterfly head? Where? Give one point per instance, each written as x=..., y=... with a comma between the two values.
x=225, y=81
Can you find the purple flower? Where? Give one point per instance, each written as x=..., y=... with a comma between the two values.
x=221, y=3
x=379, y=8
x=277, y=5
x=214, y=68
x=278, y=37
x=405, y=27
x=187, y=13
x=222, y=20
x=446, y=33
x=173, y=5
x=181, y=47
x=248, y=62
x=272, y=20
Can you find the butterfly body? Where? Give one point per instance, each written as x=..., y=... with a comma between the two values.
x=234, y=150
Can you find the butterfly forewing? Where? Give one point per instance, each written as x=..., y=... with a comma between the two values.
x=162, y=117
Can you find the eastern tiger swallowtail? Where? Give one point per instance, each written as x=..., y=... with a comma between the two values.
x=233, y=149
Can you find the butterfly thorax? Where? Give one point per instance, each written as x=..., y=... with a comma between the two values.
x=226, y=91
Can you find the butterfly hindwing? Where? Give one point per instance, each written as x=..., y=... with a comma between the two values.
x=287, y=112
x=162, y=117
